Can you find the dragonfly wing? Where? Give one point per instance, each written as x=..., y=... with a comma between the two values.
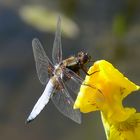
x=74, y=82
x=43, y=64
x=42, y=101
x=64, y=103
x=57, y=47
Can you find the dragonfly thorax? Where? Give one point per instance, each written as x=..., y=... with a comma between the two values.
x=58, y=71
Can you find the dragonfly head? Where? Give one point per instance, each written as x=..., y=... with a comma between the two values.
x=83, y=57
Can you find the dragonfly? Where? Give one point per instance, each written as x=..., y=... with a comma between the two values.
x=61, y=77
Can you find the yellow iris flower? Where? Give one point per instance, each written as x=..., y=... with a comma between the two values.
x=105, y=90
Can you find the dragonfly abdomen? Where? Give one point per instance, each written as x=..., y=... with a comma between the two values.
x=42, y=101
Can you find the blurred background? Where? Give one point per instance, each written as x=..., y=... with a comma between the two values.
x=106, y=29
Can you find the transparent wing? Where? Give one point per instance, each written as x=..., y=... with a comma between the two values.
x=43, y=64
x=64, y=103
x=57, y=47
x=73, y=81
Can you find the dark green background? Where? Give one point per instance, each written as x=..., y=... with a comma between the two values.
x=109, y=29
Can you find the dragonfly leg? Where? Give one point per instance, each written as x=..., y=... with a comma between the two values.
x=93, y=73
x=94, y=87
x=85, y=71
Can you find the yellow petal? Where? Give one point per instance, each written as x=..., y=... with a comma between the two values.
x=87, y=102
x=104, y=90
x=110, y=79
x=126, y=130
